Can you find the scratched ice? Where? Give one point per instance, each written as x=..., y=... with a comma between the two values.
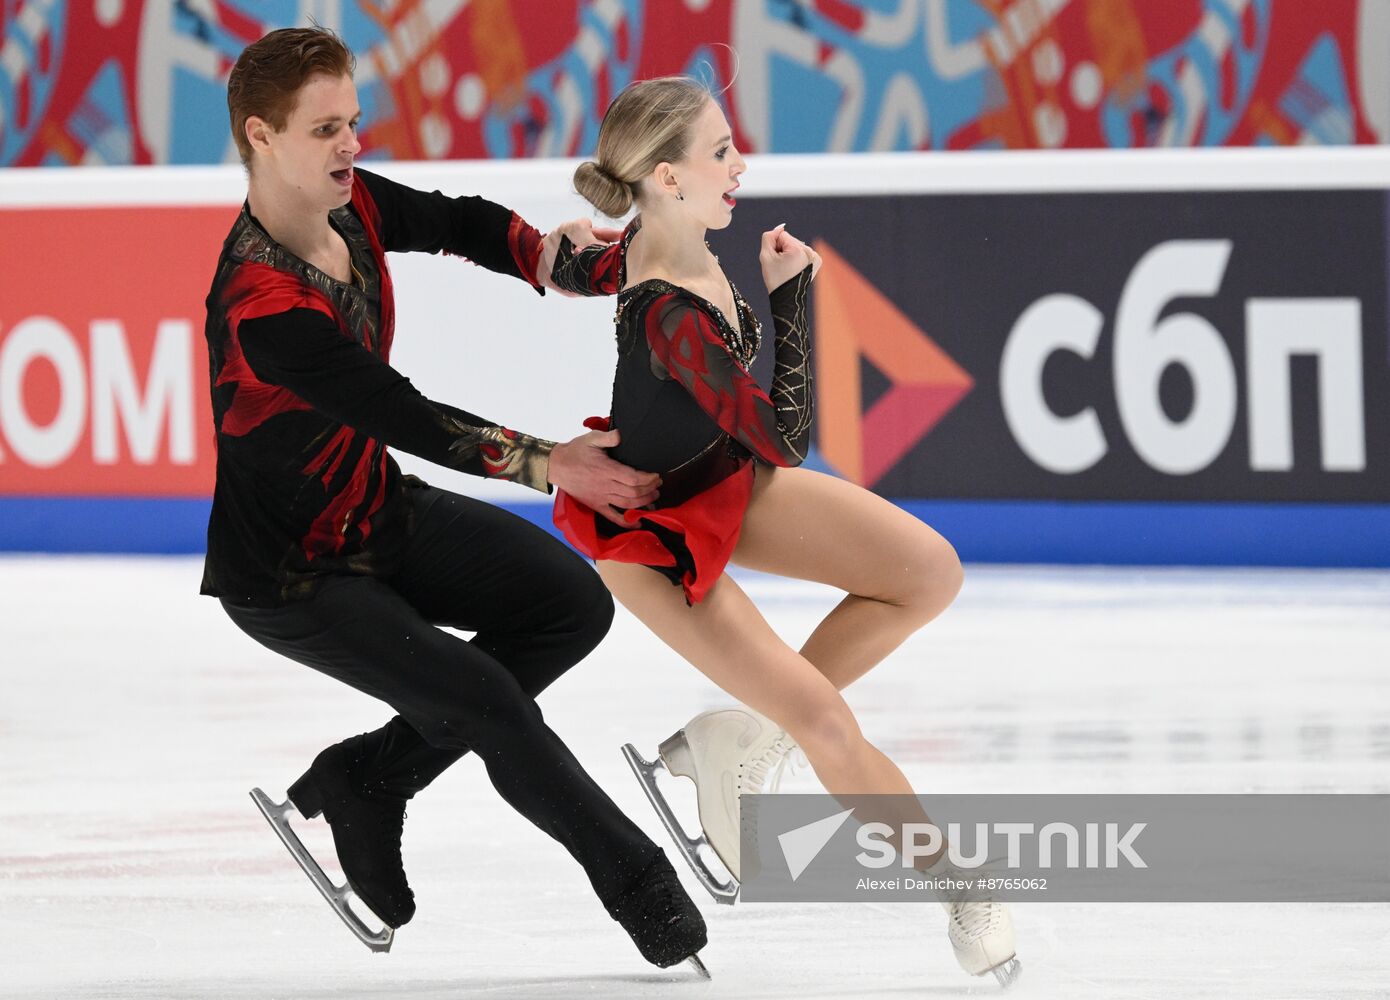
x=134, y=718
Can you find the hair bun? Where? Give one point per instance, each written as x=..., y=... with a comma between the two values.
x=601, y=189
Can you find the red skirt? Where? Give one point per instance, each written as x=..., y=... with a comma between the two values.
x=690, y=543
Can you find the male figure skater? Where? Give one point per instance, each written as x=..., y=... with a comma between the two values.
x=320, y=549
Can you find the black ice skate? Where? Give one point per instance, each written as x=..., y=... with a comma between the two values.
x=366, y=836
x=661, y=919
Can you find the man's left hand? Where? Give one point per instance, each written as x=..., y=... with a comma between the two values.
x=583, y=469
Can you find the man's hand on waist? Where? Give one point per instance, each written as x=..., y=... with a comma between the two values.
x=583, y=469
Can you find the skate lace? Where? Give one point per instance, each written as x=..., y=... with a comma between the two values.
x=659, y=901
x=392, y=828
x=974, y=918
x=765, y=773
x=793, y=762
x=390, y=812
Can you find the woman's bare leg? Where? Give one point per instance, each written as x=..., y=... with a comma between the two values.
x=727, y=639
x=898, y=573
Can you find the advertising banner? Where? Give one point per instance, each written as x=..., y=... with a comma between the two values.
x=103, y=364
x=1117, y=358
x=1152, y=346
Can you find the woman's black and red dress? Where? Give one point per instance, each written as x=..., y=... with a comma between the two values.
x=687, y=408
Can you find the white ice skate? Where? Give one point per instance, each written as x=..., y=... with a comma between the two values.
x=727, y=753
x=981, y=931
x=337, y=895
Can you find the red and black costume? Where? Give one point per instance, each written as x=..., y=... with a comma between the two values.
x=322, y=551
x=305, y=402
x=688, y=409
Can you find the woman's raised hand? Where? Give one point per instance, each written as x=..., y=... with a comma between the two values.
x=783, y=257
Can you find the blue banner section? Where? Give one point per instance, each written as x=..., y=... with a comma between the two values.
x=1015, y=531
x=104, y=524
x=1162, y=534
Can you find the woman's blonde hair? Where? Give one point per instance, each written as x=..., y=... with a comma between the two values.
x=650, y=122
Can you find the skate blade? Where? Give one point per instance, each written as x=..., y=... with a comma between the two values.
x=723, y=891
x=336, y=895
x=694, y=960
x=1008, y=972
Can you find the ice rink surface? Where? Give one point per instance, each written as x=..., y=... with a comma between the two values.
x=134, y=718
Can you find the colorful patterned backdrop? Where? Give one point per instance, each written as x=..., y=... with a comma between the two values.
x=143, y=81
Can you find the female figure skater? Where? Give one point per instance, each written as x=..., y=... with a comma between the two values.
x=686, y=407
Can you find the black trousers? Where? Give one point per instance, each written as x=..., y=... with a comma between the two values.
x=536, y=608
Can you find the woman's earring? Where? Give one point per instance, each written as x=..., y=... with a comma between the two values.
x=679, y=196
